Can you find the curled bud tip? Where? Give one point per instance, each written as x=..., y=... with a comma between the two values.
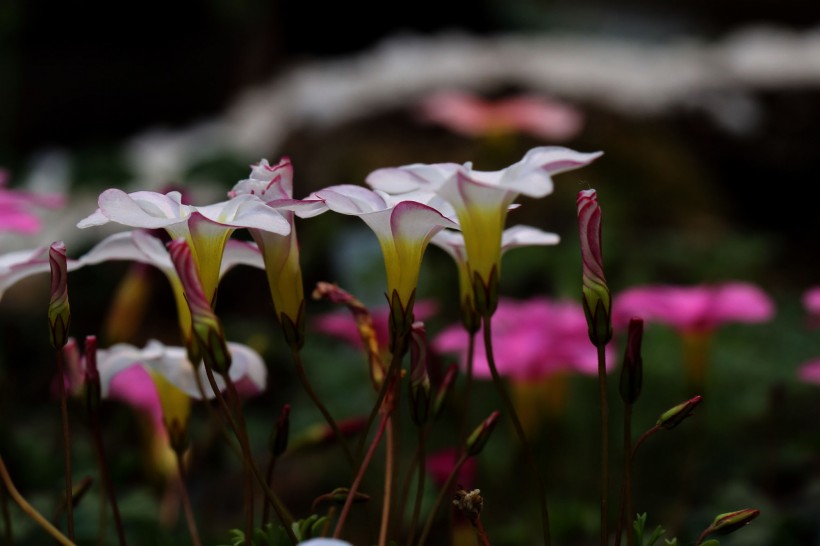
x=597, y=298
x=59, y=311
x=481, y=435
x=732, y=521
x=675, y=416
x=279, y=436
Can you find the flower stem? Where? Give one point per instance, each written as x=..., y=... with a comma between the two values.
x=105, y=474
x=4, y=506
x=186, y=502
x=388, y=481
x=300, y=371
x=420, y=456
x=284, y=517
x=519, y=429
x=29, y=509
x=69, y=495
x=604, y=403
x=360, y=474
x=481, y=532
x=468, y=389
x=269, y=480
x=444, y=490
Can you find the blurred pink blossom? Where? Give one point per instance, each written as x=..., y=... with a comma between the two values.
x=470, y=115
x=441, y=464
x=340, y=324
x=811, y=301
x=532, y=339
x=691, y=309
x=809, y=372
x=15, y=204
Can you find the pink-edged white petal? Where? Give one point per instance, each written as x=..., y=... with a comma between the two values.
x=518, y=236
x=350, y=199
x=246, y=211
x=142, y=209
x=411, y=177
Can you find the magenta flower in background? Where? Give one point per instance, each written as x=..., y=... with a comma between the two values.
x=532, y=339
x=441, y=464
x=692, y=309
x=15, y=205
x=473, y=116
x=811, y=302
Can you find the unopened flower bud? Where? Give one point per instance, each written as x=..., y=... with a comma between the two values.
x=481, y=435
x=278, y=442
x=205, y=325
x=732, y=521
x=59, y=312
x=400, y=322
x=444, y=389
x=632, y=368
x=675, y=416
x=596, y=296
x=419, y=380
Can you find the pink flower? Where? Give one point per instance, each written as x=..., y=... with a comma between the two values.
x=15, y=205
x=442, y=463
x=472, y=116
x=532, y=339
x=810, y=372
x=341, y=324
x=701, y=308
x=811, y=301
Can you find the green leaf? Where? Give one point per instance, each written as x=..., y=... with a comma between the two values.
x=639, y=524
x=656, y=534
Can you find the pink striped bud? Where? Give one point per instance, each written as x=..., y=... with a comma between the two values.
x=206, y=328
x=59, y=311
x=596, y=296
x=420, y=396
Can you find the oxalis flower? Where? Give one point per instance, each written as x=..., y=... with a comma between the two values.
x=695, y=312
x=206, y=229
x=404, y=229
x=452, y=242
x=140, y=246
x=481, y=200
x=538, y=343
x=273, y=186
x=174, y=381
x=15, y=215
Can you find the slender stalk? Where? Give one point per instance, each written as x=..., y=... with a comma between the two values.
x=66, y=444
x=105, y=475
x=444, y=491
x=405, y=487
x=519, y=429
x=29, y=509
x=300, y=371
x=186, y=502
x=392, y=372
x=4, y=506
x=468, y=390
x=360, y=474
x=626, y=508
x=284, y=517
x=233, y=396
x=604, y=403
x=481, y=532
x=389, y=467
x=269, y=481
x=421, y=454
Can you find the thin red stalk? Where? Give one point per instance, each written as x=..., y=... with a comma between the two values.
x=444, y=491
x=105, y=474
x=468, y=389
x=519, y=429
x=6, y=516
x=69, y=493
x=604, y=403
x=388, y=481
x=29, y=509
x=300, y=371
x=482, y=533
x=284, y=517
x=186, y=502
x=419, y=486
x=359, y=475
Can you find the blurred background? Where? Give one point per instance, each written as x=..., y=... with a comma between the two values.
x=707, y=116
